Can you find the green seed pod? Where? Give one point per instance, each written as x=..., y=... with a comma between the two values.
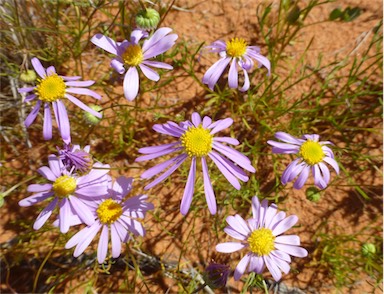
x=28, y=76
x=91, y=119
x=147, y=19
x=313, y=194
x=368, y=249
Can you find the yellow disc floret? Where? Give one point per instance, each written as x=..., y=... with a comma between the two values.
x=261, y=241
x=197, y=141
x=312, y=152
x=133, y=55
x=50, y=88
x=109, y=211
x=64, y=186
x=236, y=47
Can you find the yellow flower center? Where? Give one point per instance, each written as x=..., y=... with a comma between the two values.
x=236, y=47
x=261, y=241
x=197, y=141
x=109, y=211
x=311, y=152
x=50, y=88
x=133, y=55
x=64, y=186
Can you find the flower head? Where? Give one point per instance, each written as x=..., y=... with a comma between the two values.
x=51, y=89
x=260, y=235
x=196, y=141
x=312, y=156
x=130, y=55
x=216, y=275
x=67, y=191
x=76, y=159
x=115, y=216
x=239, y=55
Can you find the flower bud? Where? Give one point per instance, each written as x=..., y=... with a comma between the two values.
x=368, y=249
x=28, y=76
x=147, y=19
x=216, y=275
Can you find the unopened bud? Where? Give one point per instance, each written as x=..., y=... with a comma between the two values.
x=28, y=76
x=147, y=19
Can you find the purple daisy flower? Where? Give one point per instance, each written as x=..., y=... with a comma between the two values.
x=51, y=89
x=312, y=155
x=197, y=141
x=240, y=56
x=73, y=157
x=114, y=216
x=130, y=55
x=261, y=236
x=69, y=193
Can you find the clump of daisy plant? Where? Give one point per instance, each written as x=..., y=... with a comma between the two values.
x=116, y=219
x=240, y=57
x=312, y=156
x=261, y=236
x=67, y=191
x=196, y=141
x=51, y=90
x=130, y=56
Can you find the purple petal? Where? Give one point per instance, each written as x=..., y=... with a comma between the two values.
x=167, y=173
x=292, y=170
x=102, y=247
x=62, y=121
x=234, y=233
x=86, y=239
x=83, y=91
x=262, y=212
x=283, y=148
x=292, y=250
x=118, y=66
x=227, y=174
x=275, y=221
x=25, y=89
x=288, y=138
x=82, y=210
x=47, y=129
x=235, y=170
x=33, y=114
x=131, y=83
x=157, y=64
x=157, y=154
x=229, y=247
x=272, y=267
x=285, y=225
x=246, y=85
x=64, y=216
x=235, y=156
x=303, y=177
x=281, y=255
x=84, y=107
x=44, y=215
x=228, y=140
x=221, y=125
x=325, y=171
x=281, y=264
x=116, y=243
x=105, y=43
x=155, y=149
x=156, y=37
x=208, y=190
x=233, y=81
x=215, y=71
x=38, y=67
x=149, y=73
x=255, y=207
x=206, y=122
x=79, y=83
x=189, y=188
x=333, y=163
x=51, y=70
x=239, y=224
x=149, y=173
x=241, y=267
x=56, y=166
x=137, y=35
x=318, y=178
x=256, y=264
x=39, y=188
x=196, y=119
x=270, y=214
x=288, y=239
x=35, y=198
x=162, y=46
